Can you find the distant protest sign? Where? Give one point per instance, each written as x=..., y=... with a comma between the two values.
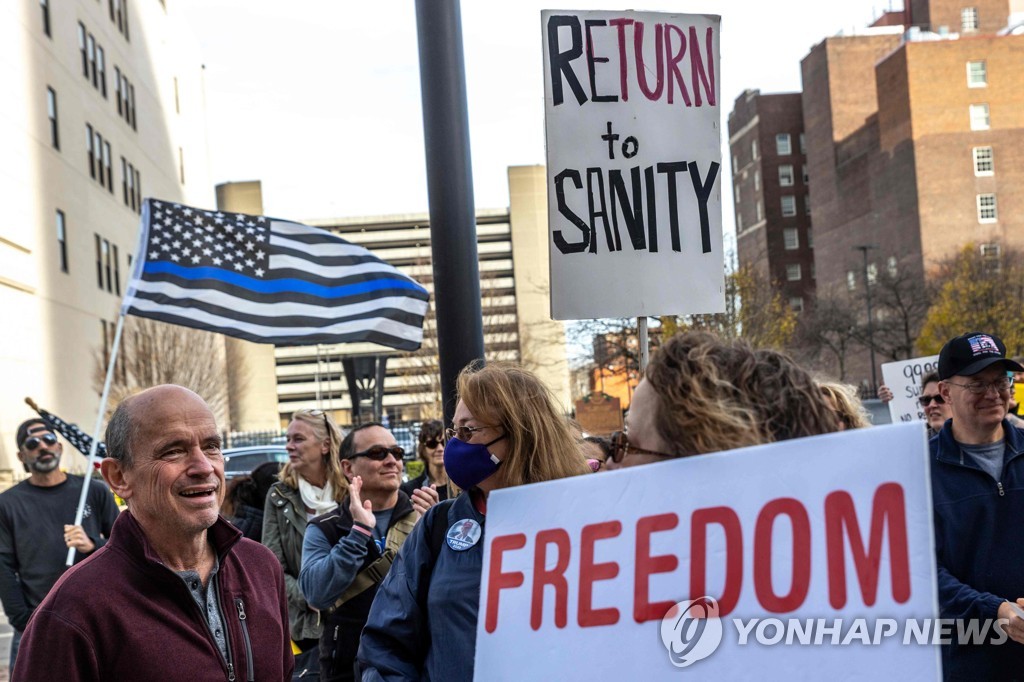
x=904, y=379
x=633, y=126
x=813, y=558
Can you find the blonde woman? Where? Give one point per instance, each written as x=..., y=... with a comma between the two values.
x=845, y=402
x=508, y=431
x=311, y=484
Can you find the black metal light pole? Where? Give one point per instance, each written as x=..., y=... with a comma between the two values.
x=460, y=337
x=864, y=248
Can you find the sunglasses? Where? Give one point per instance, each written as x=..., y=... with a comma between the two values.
x=925, y=400
x=32, y=443
x=463, y=433
x=620, y=447
x=432, y=443
x=379, y=453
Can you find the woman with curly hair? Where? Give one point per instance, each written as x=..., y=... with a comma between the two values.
x=311, y=484
x=508, y=431
x=704, y=394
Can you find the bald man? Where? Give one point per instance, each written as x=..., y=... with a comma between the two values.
x=177, y=592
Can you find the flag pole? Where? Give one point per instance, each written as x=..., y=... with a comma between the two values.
x=96, y=431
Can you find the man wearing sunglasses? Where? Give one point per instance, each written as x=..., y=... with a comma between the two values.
x=978, y=493
x=347, y=552
x=35, y=525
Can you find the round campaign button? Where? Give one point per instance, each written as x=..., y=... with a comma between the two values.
x=463, y=534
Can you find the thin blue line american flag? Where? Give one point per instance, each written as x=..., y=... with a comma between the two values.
x=269, y=281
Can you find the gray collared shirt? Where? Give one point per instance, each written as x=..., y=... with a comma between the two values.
x=206, y=599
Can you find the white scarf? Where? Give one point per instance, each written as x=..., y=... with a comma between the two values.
x=320, y=500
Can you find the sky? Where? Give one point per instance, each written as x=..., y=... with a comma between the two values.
x=320, y=99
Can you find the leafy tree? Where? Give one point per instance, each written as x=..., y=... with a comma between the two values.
x=977, y=292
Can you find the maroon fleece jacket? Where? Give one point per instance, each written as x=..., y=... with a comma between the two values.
x=123, y=615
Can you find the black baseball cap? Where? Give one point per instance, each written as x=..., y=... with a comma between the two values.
x=972, y=352
x=23, y=430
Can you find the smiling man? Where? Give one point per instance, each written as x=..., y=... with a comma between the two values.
x=176, y=593
x=36, y=530
x=347, y=552
x=978, y=493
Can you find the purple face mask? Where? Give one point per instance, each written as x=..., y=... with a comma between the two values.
x=467, y=464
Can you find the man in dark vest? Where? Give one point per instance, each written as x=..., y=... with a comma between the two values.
x=347, y=552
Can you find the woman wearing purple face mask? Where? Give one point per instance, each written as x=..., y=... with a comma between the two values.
x=508, y=431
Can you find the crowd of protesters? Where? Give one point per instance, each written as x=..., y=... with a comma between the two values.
x=362, y=576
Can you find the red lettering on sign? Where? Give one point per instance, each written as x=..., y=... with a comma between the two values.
x=497, y=580
x=888, y=506
x=554, y=577
x=590, y=573
x=801, y=560
x=730, y=523
x=647, y=565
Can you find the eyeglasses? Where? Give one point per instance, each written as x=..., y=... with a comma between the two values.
x=32, y=443
x=620, y=447
x=379, y=453
x=432, y=443
x=314, y=412
x=463, y=433
x=925, y=400
x=978, y=387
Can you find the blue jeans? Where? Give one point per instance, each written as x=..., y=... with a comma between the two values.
x=15, y=643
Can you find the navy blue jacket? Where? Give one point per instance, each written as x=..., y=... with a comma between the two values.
x=979, y=545
x=422, y=625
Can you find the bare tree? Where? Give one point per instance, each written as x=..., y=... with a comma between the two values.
x=830, y=331
x=900, y=299
x=154, y=353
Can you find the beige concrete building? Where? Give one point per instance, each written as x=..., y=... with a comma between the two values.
x=103, y=105
x=513, y=252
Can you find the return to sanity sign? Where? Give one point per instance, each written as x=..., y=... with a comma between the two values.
x=633, y=125
x=812, y=557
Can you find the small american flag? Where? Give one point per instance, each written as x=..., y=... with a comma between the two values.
x=269, y=281
x=74, y=435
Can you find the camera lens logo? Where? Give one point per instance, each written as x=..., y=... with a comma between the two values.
x=691, y=631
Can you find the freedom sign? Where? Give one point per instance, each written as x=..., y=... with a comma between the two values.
x=904, y=380
x=811, y=555
x=633, y=127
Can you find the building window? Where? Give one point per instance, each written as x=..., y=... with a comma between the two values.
x=783, y=146
x=979, y=117
x=983, y=164
x=790, y=239
x=91, y=49
x=138, y=192
x=796, y=303
x=125, y=97
x=759, y=211
x=807, y=178
x=803, y=144
x=807, y=204
x=117, y=269
x=62, y=241
x=101, y=66
x=44, y=5
x=82, y=48
x=736, y=193
x=108, y=167
x=181, y=165
x=987, y=208
x=130, y=186
x=793, y=273
x=969, y=19
x=851, y=280
x=977, y=77
x=810, y=244
x=786, y=176
x=51, y=112
x=735, y=161
x=893, y=266
x=739, y=221
x=757, y=181
x=788, y=207
x=119, y=15
x=990, y=250
x=99, y=261
x=872, y=273
x=117, y=90
x=89, y=137
x=753, y=150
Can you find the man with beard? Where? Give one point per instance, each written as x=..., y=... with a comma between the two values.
x=35, y=525
x=176, y=593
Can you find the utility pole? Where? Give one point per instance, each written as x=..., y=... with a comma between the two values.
x=864, y=248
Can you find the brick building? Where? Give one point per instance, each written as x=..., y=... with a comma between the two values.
x=769, y=165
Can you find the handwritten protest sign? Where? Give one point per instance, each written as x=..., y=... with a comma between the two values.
x=816, y=554
x=633, y=124
x=904, y=378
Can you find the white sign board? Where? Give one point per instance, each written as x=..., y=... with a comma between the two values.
x=904, y=379
x=817, y=541
x=634, y=174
